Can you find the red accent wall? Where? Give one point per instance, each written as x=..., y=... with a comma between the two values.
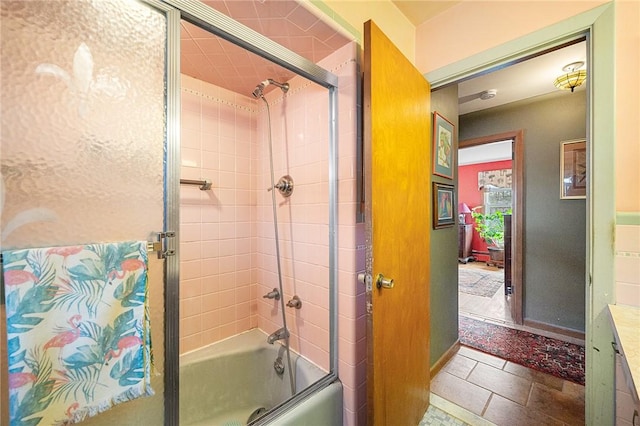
x=468, y=193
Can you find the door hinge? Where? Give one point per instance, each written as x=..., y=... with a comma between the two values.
x=161, y=246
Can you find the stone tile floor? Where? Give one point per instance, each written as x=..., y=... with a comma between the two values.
x=476, y=388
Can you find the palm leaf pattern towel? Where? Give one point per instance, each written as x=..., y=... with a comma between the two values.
x=78, y=330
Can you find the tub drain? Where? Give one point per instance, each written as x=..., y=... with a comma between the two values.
x=258, y=412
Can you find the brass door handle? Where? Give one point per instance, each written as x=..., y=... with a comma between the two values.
x=382, y=282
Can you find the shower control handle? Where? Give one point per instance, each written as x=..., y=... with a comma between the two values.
x=295, y=302
x=382, y=282
x=273, y=294
x=284, y=185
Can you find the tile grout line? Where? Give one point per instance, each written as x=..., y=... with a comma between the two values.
x=466, y=379
x=530, y=394
x=486, y=405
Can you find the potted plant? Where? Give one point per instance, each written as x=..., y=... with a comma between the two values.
x=490, y=227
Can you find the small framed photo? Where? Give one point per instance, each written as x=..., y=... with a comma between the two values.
x=443, y=149
x=443, y=205
x=573, y=169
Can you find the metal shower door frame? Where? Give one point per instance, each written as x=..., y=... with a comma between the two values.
x=171, y=211
x=230, y=30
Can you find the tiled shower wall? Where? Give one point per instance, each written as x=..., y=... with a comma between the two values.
x=300, y=132
x=352, y=345
x=227, y=236
x=300, y=140
x=628, y=260
x=217, y=238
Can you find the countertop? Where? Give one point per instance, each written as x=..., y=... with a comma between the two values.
x=626, y=326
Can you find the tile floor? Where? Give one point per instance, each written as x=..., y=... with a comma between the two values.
x=475, y=388
x=505, y=393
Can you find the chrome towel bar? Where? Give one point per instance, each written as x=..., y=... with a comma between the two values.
x=205, y=185
x=151, y=245
x=158, y=246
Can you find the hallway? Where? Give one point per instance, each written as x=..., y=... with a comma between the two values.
x=483, y=387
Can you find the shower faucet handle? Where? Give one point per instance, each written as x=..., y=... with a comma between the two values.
x=284, y=185
x=295, y=302
x=273, y=294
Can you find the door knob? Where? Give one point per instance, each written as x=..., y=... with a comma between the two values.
x=382, y=282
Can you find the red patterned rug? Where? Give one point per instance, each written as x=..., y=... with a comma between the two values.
x=551, y=356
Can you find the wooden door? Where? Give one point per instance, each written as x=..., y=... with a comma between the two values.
x=397, y=135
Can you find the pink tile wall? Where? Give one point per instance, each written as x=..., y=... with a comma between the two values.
x=217, y=282
x=227, y=238
x=300, y=130
x=300, y=139
x=352, y=343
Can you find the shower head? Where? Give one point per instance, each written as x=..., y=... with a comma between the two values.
x=258, y=91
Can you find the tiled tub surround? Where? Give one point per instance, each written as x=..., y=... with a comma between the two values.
x=227, y=237
x=299, y=123
x=217, y=238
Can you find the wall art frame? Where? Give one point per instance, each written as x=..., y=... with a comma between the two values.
x=443, y=146
x=444, y=204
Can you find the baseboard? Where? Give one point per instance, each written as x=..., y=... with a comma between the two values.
x=435, y=368
x=555, y=329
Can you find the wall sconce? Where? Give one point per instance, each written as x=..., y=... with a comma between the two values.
x=463, y=211
x=572, y=78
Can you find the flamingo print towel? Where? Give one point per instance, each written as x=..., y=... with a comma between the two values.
x=78, y=330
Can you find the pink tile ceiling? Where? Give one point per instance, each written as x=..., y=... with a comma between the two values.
x=209, y=58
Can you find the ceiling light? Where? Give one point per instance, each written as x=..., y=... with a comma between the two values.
x=572, y=78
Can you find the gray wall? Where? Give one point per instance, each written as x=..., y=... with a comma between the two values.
x=554, y=229
x=444, y=249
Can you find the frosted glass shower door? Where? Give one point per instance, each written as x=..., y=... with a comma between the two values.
x=83, y=107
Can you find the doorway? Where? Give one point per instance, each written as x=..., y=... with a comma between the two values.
x=485, y=200
x=548, y=117
x=506, y=305
x=484, y=126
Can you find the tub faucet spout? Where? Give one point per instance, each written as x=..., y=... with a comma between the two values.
x=277, y=335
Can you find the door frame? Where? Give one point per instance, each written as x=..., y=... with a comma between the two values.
x=517, y=149
x=599, y=26
x=172, y=217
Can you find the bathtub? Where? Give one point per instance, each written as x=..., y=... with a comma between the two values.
x=228, y=382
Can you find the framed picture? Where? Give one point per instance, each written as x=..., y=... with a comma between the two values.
x=573, y=169
x=443, y=149
x=443, y=205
